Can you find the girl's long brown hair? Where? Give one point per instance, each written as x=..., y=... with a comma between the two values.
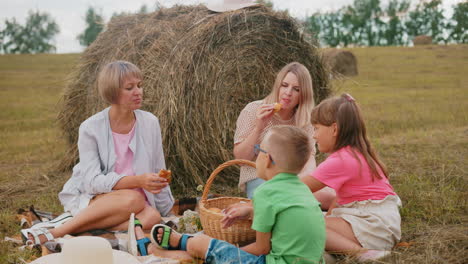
x=344, y=111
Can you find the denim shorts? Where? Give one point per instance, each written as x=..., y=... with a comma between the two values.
x=223, y=252
x=250, y=186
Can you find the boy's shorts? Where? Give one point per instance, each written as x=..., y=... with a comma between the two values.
x=223, y=252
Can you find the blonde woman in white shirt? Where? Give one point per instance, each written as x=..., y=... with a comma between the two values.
x=120, y=154
x=293, y=90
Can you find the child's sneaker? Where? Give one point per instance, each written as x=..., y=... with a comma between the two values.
x=372, y=254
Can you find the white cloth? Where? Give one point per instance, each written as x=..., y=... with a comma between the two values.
x=94, y=174
x=375, y=223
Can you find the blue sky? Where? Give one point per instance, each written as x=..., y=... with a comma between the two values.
x=69, y=14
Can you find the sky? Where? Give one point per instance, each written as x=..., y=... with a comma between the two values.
x=70, y=14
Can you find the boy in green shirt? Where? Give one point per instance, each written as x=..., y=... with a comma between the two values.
x=287, y=217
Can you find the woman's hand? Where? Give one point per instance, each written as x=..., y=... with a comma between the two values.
x=264, y=114
x=152, y=182
x=235, y=212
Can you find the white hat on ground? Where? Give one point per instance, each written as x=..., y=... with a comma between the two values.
x=229, y=5
x=85, y=250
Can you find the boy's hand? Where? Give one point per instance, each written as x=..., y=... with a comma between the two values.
x=235, y=212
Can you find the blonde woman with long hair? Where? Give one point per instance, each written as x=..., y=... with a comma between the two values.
x=293, y=90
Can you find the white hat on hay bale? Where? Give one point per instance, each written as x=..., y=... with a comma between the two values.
x=85, y=250
x=229, y=5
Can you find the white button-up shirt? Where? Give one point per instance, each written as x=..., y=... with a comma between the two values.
x=94, y=174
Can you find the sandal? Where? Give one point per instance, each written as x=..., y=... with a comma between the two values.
x=164, y=242
x=59, y=220
x=136, y=246
x=35, y=232
x=131, y=242
x=143, y=246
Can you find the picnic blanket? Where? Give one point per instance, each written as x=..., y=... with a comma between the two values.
x=184, y=219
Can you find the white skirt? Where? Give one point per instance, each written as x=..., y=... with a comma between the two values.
x=375, y=223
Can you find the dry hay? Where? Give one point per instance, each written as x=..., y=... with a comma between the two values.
x=200, y=69
x=436, y=244
x=341, y=62
x=422, y=40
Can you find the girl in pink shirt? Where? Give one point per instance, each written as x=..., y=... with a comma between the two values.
x=365, y=220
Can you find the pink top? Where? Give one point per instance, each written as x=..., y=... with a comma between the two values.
x=124, y=161
x=351, y=181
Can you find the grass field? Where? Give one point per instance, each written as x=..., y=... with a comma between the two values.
x=415, y=101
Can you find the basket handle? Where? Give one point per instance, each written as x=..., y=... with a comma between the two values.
x=221, y=167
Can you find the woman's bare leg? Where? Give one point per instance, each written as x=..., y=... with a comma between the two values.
x=148, y=218
x=104, y=211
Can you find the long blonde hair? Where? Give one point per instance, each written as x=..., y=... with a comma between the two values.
x=306, y=98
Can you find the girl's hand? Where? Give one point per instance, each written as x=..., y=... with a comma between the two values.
x=235, y=212
x=152, y=182
x=264, y=114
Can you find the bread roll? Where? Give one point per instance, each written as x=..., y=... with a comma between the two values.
x=277, y=107
x=166, y=174
x=215, y=209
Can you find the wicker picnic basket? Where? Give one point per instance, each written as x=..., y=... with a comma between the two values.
x=240, y=232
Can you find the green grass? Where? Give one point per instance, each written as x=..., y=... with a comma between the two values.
x=415, y=102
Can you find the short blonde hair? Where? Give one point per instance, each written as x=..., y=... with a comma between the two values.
x=306, y=98
x=288, y=146
x=111, y=79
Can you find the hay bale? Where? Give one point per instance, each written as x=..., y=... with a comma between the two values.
x=422, y=40
x=200, y=69
x=341, y=62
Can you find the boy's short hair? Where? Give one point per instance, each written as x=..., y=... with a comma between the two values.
x=111, y=79
x=289, y=147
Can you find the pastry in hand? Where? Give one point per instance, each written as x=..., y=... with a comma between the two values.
x=166, y=174
x=277, y=107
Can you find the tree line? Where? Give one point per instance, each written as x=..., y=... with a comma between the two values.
x=39, y=30
x=373, y=23
x=363, y=23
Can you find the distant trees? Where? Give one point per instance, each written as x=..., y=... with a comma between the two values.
x=35, y=36
x=143, y=9
x=95, y=23
x=394, y=30
x=265, y=3
x=370, y=23
x=94, y=26
x=427, y=19
x=459, y=24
